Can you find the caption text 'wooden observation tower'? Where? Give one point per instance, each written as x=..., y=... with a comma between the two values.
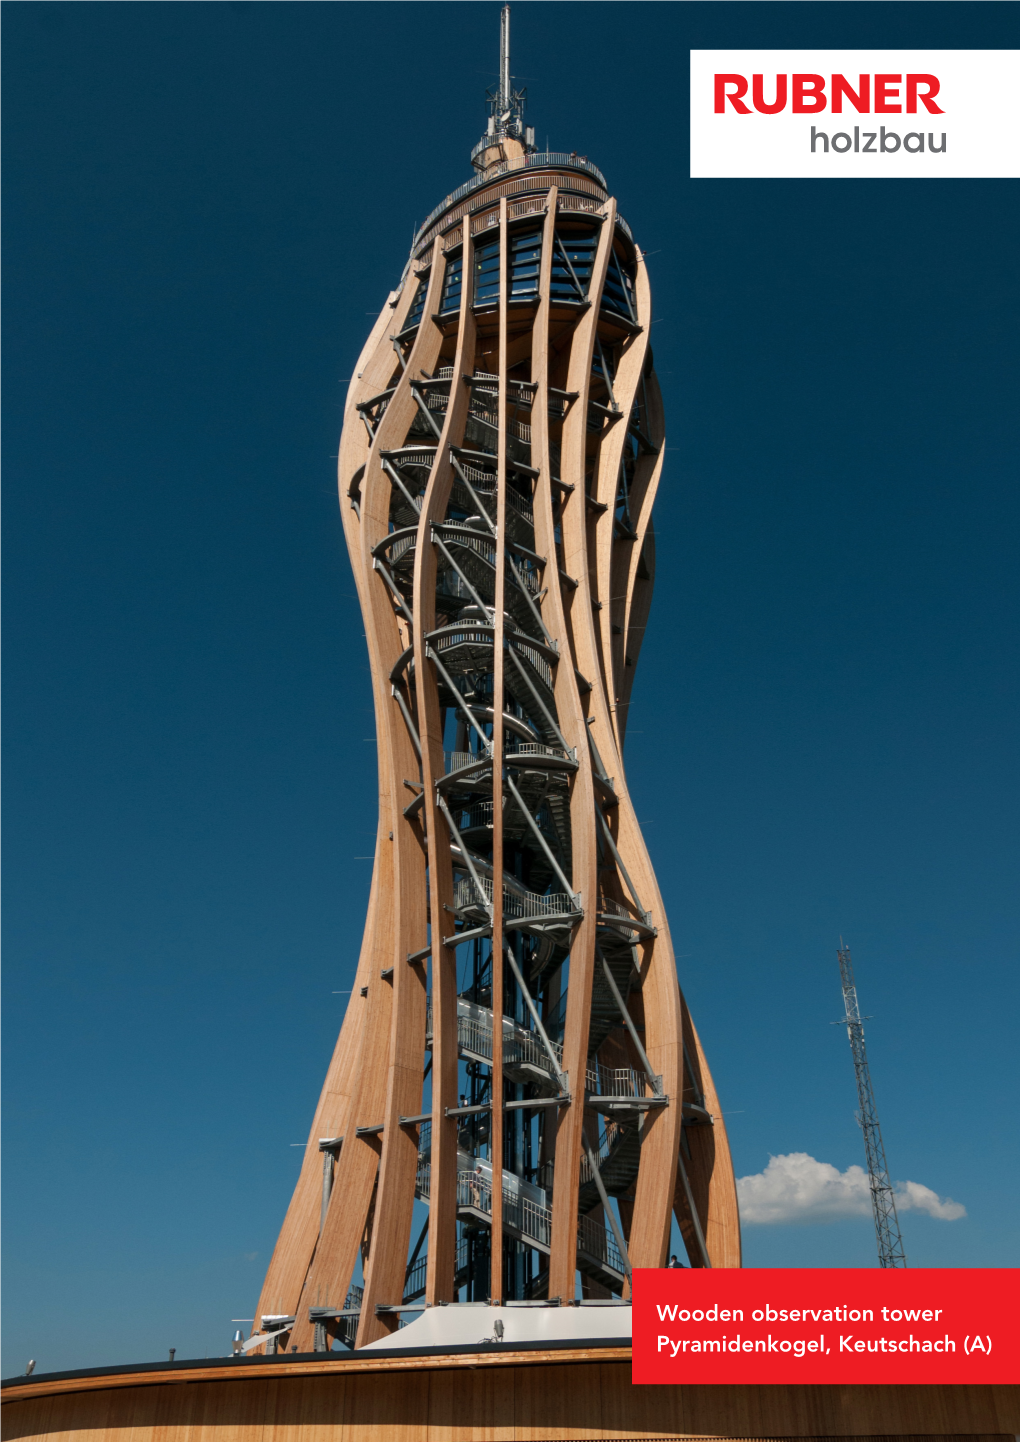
x=502, y=447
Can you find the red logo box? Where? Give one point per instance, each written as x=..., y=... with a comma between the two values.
x=838, y=1325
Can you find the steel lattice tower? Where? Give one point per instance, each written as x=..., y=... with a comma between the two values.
x=883, y=1203
x=502, y=447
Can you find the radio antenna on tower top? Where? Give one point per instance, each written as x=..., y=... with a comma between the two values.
x=883, y=1203
x=504, y=59
x=507, y=140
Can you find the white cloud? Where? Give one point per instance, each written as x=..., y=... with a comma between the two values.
x=797, y=1188
x=912, y=1196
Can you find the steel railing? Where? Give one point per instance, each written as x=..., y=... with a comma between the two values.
x=517, y=905
x=404, y=544
x=609, y=907
x=520, y=208
x=485, y=484
x=541, y=160
x=576, y=203
x=539, y=748
x=474, y=1191
x=593, y=1238
x=530, y=1220
x=484, y=222
x=621, y=1081
x=537, y=661
x=486, y=551
x=608, y=1141
x=414, y=1282
x=520, y=1213
x=458, y=760
x=480, y=814
x=469, y=635
x=412, y=456
x=474, y=1033
x=517, y=429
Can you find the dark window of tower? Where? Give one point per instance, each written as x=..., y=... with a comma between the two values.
x=618, y=292
x=487, y=273
x=525, y=263
x=452, y=282
x=414, y=314
x=578, y=247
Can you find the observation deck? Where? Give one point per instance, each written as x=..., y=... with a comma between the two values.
x=571, y=173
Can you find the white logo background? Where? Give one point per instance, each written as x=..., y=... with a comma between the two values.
x=979, y=95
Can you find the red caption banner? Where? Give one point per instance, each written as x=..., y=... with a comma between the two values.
x=784, y=1324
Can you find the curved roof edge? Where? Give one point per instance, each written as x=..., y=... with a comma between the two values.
x=540, y=160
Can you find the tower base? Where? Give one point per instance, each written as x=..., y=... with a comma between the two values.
x=496, y=1392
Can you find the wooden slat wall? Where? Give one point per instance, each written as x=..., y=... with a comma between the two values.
x=510, y=1398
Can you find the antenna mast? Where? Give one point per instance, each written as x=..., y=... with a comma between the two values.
x=883, y=1204
x=504, y=60
x=507, y=139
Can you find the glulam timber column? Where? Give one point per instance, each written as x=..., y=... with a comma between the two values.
x=442, y=1235
x=517, y=1054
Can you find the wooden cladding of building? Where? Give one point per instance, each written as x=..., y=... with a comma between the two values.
x=508, y=1397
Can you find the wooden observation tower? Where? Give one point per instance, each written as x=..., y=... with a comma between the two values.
x=502, y=447
x=518, y=1104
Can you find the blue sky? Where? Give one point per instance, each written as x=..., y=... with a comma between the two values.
x=206, y=204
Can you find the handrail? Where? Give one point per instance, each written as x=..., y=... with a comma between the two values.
x=611, y=907
x=613, y=1082
x=410, y=455
x=541, y=160
x=517, y=905
x=530, y=1218
x=474, y=1033
x=460, y=760
x=600, y=1244
x=518, y=429
x=474, y=1190
x=612, y=1138
x=521, y=185
x=516, y=747
x=485, y=549
x=403, y=544
x=485, y=484
x=414, y=1282
x=463, y=633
